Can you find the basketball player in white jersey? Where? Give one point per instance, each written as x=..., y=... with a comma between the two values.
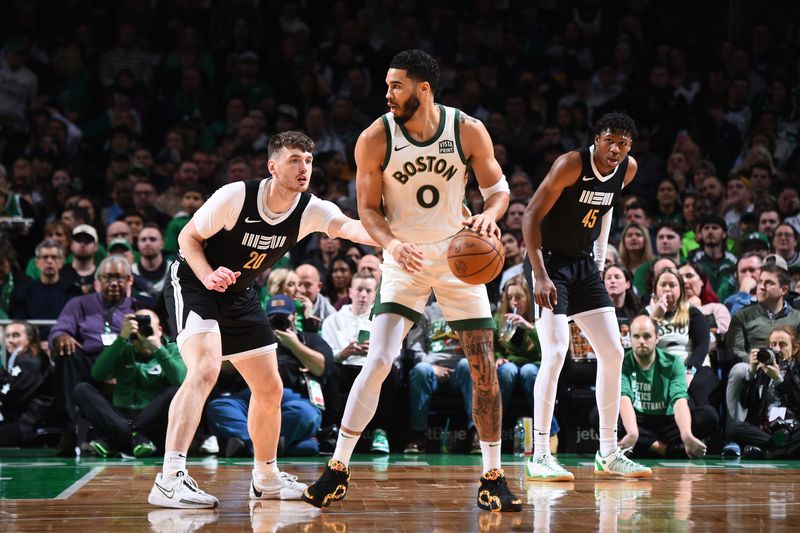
x=411, y=178
x=566, y=227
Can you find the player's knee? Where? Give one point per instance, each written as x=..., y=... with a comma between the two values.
x=205, y=373
x=269, y=389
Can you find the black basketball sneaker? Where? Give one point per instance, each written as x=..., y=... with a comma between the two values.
x=330, y=487
x=494, y=494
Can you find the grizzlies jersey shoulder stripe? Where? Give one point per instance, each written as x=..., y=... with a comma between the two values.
x=424, y=181
x=573, y=223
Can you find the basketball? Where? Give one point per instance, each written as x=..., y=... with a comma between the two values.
x=474, y=258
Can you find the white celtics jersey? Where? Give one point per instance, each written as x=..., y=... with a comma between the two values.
x=424, y=182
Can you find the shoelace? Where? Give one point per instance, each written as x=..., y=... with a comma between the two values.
x=287, y=477
x=621, y=456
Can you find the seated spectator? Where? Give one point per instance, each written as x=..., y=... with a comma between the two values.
x=516, y=347
x=147, y=373
x=717, y=262
x=770, y=398
x=635, y=248
x=60, y=233
x=618, y=284
x=668, y=245
x=309, y=287
x=305, y=362
x=748, y=269
x=750, y=329
x=27, y=385
x=700, y=295
x=338, y=283
x=86, y=326
x=45, y=297
x=784, y=243
x=655, y=413
x=738, y=201
x=347, y=333
x=372, y=264
x=683, y=331
x=440, y=365
x=152, y=267
x=514, y=257
x=84, y=246
x=194, y=196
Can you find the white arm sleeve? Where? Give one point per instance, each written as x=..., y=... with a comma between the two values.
x=318, y=217
x=601, y=243
x=221, y=210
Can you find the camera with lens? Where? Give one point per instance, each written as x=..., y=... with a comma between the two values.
x=280, y=322
x=767, y=356
x=782, y=430
x=145, y=327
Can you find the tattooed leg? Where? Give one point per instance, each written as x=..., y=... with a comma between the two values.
x=486, y=406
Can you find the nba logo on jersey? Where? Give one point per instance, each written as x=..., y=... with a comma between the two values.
x=446, y=147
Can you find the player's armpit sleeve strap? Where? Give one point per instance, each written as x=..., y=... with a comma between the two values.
x=500, y=186
x=601, y=243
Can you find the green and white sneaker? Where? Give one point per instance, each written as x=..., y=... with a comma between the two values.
x=617, y=464
x=380, y=444
x=546, y=468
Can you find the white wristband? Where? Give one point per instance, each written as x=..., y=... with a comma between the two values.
x=500, y=186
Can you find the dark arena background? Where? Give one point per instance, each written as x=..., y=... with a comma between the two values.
x=119, y=119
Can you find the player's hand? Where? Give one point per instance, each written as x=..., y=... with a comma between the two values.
x=695, y=448
x=220, y=279
x=407, y=255
x=66, y=345
x=482, y=224
x=544, y=293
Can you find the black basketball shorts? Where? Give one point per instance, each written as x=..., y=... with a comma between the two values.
x=577, y=281
x=237, y=316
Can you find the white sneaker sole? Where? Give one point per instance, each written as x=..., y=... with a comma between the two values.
x=562, y=477
x=631, y=475
x=159, y=500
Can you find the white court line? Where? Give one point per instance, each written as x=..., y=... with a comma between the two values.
x=75, y=487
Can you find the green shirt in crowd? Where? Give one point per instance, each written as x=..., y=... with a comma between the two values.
x=654, y=391
x=140, y=378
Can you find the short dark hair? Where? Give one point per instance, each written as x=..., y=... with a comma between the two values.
x=784, y=278
x=761, y=165
x=196, y=187
x=674, y=226
x=616, y=122
x=289, y=139
x=419, y=65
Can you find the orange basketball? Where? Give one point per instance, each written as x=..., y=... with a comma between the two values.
x=475, y=259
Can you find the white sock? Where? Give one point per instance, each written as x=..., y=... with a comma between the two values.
x=490, y=452
x=541, y=443
x=174, y=462
x=266, y=469
x=608, y=441
x=345, y=445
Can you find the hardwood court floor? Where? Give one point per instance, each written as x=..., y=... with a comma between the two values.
x=402, y=493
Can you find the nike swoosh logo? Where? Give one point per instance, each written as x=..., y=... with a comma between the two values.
x=587, y=178
x=398, y=148
x=493, y=445
x=256, y=492
x=248, y=221
x=168, y=493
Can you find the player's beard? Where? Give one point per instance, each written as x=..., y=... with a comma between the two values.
x=407, y=110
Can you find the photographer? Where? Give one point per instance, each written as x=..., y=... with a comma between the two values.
x=304, y=362
x=147, y=374
x=770, y=398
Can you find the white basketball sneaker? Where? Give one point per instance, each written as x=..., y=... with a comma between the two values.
x=180, y=492
x=546, y=468
x=617, y=464
x=283, y=487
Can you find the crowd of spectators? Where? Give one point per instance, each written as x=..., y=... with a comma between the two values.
x=118, y=120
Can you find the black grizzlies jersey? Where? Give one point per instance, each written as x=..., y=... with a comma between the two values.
x=573, y=224
x=252, y=245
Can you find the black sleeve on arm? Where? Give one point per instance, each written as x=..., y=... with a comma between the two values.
x=699, y=337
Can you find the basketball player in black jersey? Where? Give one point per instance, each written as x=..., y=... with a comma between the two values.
x=241, y=231
x=566, y=227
